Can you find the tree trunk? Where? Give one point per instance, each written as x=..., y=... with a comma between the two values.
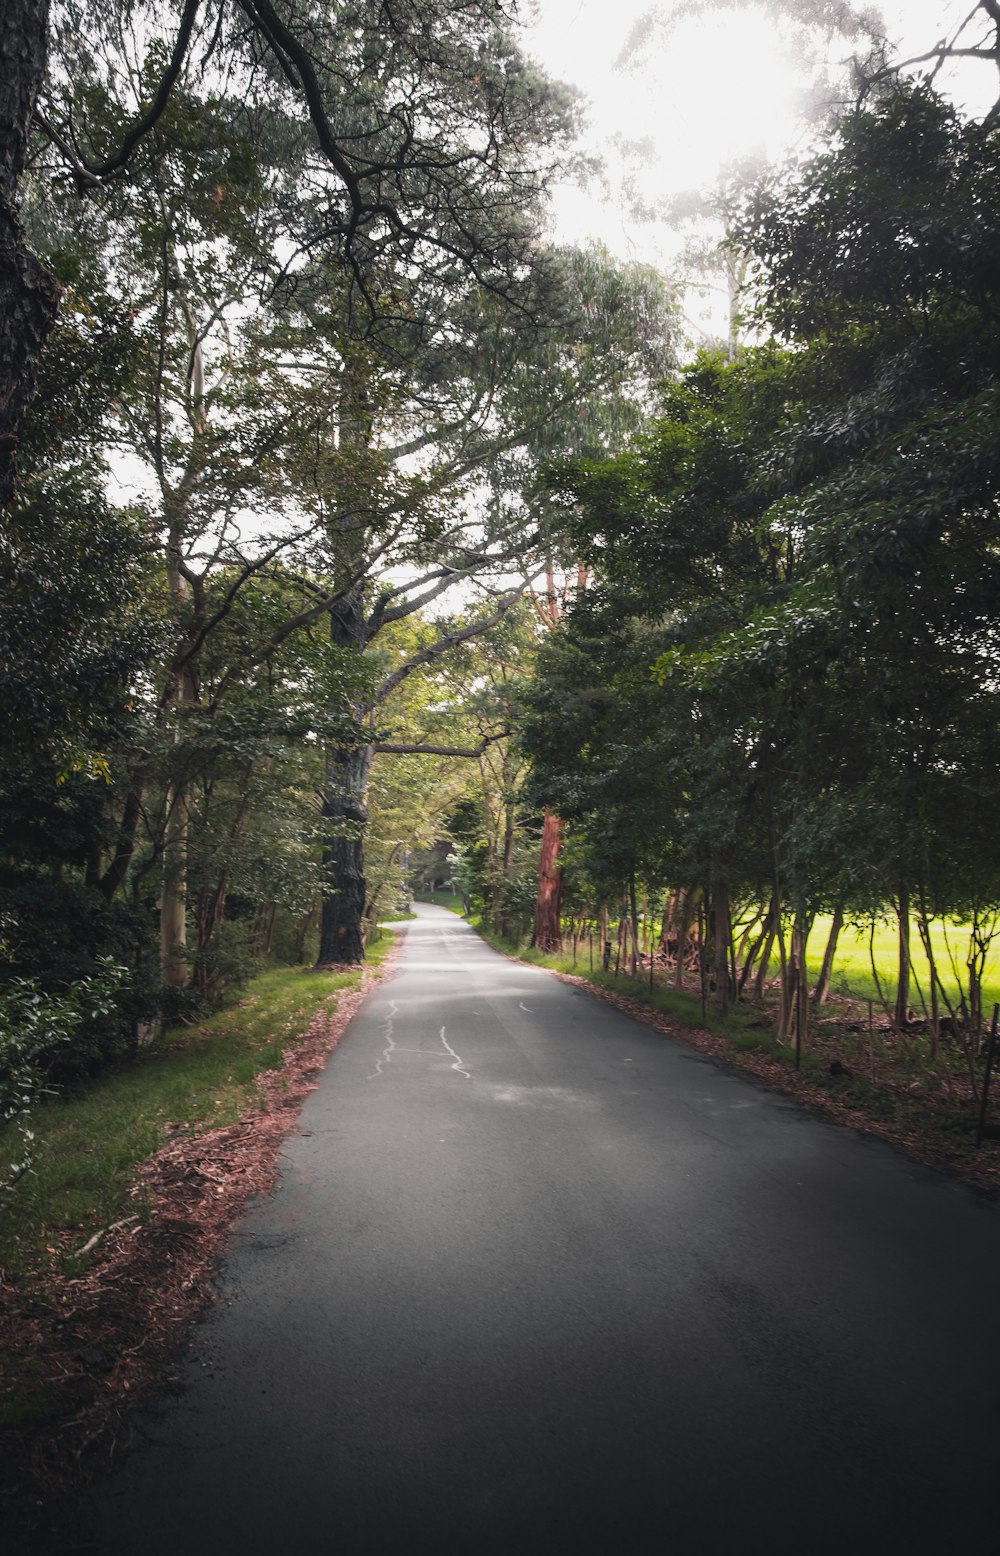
x=821, y=993
x=902, y=1010
x=29, y=295
x=345, y=810
x=685, y=923
x=794, y=1018
x=548, y=901
x=764, y=965
x=117, y=869
x=173, y=896
x=508, y=855
x=721, y=938
x=754, y=951
x=173, y=893
x=633, y=925
x=924, y=928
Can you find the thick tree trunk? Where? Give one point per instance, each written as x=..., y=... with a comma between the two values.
x=173, y=896
x=686, y=923
x=345, y=810
x=505, y=926
x=548, y=902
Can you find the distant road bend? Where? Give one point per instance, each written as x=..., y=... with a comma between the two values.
x=537, y=1279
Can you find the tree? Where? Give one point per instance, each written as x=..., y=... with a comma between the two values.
x=419, y=115
x=806, y=539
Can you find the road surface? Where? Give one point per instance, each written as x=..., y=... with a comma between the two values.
x=538, y=1279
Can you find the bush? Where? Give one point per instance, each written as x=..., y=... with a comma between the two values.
x=36, y=1029
x=59, y=933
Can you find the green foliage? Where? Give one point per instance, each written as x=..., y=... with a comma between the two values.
x=783, y=678
x=87, y=1145
x=36, y=1027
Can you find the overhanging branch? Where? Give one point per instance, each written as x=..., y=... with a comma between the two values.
x=391, y=748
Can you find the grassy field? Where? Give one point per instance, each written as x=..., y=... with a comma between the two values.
x=852, y=972
x=89, y=1144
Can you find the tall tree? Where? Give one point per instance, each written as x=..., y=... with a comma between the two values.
x=417, y=115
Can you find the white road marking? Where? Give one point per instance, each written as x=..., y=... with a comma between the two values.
x=390, y=1046
x=524, y=1007
x=458, y=1065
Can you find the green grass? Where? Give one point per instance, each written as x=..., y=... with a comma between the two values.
x=89, y=1144
x=852, y=974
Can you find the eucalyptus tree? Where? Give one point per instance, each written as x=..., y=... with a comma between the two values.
x=499, y=395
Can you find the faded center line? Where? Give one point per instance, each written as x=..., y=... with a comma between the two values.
x=390, y=1045
x=458, y=1065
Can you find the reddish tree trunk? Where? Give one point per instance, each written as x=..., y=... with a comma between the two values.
x=548, y=902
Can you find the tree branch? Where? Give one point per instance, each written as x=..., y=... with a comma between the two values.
x=89, y=175
x=447, y=641
x=390, y=748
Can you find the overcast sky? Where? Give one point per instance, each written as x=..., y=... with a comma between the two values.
x=710, y=90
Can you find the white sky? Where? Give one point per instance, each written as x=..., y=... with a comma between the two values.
x=713, y=89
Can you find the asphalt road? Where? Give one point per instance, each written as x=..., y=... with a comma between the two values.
x=538, y=1279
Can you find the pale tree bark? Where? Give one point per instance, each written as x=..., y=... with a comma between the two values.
x=29, y=295
x=187, y=596
x=173, y=894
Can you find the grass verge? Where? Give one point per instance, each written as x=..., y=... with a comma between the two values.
x=89, y=1143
